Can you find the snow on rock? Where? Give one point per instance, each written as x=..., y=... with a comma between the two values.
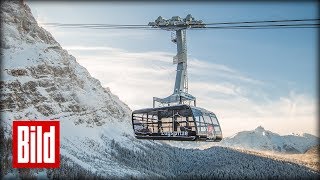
x=40, y=80
x=261, y=139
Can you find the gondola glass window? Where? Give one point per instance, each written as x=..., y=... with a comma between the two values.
x=201, y=123
x=169, y=120
x=216, y=124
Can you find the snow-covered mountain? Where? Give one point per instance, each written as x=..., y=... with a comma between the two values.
x=261, y=139
x=40, y=80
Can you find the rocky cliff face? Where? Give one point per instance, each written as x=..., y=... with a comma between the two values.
x=40, y=80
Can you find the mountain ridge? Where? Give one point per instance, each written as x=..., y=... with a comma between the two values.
x=262, y=139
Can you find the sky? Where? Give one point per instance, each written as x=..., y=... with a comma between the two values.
x=247, y=78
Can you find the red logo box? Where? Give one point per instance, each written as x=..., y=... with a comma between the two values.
x=36, y=144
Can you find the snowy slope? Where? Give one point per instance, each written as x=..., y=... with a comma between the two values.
x=261, y=139
x=314, y=150
x=40, y=80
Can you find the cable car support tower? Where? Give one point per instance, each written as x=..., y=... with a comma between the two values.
x=178, y=25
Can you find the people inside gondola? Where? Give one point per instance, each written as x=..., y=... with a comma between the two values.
x=185, y=128
x=175, y=124
x=160, y=127
x=145, y=130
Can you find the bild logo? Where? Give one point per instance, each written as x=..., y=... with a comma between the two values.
x=36, y=144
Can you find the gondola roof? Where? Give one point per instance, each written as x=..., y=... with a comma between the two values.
x=172, y=107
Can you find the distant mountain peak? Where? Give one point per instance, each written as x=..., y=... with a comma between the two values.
x=260, y=129
x=261, y=139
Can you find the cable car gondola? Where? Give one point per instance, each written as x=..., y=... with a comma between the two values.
x=174, y=119
x=179, y=122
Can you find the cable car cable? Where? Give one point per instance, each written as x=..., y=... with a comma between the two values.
x=265, y=25
x=266, y=21
x=209, y=25
x=272, y=26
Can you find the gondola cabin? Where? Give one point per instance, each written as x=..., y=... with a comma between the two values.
x=179, y=122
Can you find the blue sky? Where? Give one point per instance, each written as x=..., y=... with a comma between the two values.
x=257, y=76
